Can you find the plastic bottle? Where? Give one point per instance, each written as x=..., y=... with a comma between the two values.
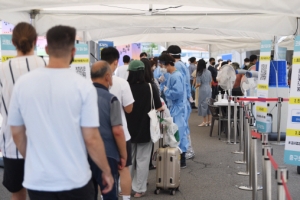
x=225, y=95
x=219, y=96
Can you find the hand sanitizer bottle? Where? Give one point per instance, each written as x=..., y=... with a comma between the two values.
x=225, y=95
x=219, y=96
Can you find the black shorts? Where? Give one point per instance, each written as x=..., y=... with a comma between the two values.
x=128, y=148
x=84, y=193
x=13, y=174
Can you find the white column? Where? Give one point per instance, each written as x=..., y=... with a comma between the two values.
x=84, y=36
x=209, y=51
x=276, y=48
x=167, y=44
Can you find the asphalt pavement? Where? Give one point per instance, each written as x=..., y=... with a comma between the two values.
x=212, y=173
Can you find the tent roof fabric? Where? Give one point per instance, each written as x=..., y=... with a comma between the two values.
x=224, y=24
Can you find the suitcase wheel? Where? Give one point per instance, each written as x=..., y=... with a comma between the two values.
x=172, y=192
x=156, y=191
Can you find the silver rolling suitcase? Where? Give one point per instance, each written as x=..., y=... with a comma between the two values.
x=167, y=168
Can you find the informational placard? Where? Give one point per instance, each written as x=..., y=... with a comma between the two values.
x=136, y=50
x=104, y=44
x=81, y=61
x=282, y=53
x=41, y=46
x=263, y=85
x=7, y=28
x=8, y=50
x=124, y=50
x=292, y=141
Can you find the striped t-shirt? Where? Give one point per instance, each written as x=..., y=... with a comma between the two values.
x=10, y=72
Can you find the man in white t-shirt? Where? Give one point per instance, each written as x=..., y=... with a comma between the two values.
x=122, y=71
x=122, y=91
x=54, y=120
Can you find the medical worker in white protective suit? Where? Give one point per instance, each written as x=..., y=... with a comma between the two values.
x=173, y=93
x=175, y=52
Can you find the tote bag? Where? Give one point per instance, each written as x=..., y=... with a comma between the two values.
x=154, y=121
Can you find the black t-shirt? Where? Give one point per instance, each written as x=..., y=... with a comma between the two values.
x=138, y=121
x=213, y=72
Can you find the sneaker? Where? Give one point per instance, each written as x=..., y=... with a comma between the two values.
x=189, y=155
x=182, y=165
x=182, y=161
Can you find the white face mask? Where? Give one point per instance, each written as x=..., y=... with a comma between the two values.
x=247, y=63
x=163, y=70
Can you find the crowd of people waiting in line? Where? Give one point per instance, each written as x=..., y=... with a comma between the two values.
x=62, y=136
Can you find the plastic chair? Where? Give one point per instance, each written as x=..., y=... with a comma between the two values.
x=218, y=113
x=210, y=101
x=215, y=116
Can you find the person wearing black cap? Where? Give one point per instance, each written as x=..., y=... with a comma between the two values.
x=138, y=123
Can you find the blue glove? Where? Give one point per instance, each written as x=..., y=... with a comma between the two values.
x=193, y=89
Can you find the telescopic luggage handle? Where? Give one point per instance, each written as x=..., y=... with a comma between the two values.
x=161, y=142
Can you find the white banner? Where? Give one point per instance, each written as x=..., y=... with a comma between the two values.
x=81, y=64
x=263, y=85
x=292, y=142
x=8, y=50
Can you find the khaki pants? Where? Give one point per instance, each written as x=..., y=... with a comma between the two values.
x=196, y=97
x=141, y=153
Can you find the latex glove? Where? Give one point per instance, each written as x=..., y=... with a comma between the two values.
x=193, y=88
x=165, y=88
x=161, y=79
x=191, y=100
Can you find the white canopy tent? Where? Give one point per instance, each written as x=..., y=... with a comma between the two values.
x=224, y=24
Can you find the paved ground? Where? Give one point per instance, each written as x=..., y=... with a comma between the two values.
x=212, y=173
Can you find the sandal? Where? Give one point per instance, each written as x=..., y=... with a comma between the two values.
x=203, y=124
x=138, y=195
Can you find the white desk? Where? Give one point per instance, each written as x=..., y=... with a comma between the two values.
x=225, y=103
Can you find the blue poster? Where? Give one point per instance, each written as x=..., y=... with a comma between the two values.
x=8, y=50
x=104, y=44
x=226, y=57
x=6, y=43
x=282, y=53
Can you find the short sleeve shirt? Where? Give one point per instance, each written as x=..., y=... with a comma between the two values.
x=10, y=72
x=122, y=72
x=54, y=104
x=138, y=120
x=122, y=91
x=115, y=112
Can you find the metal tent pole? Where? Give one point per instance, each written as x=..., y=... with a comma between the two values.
x=279, y=105
x=280, y=191
x=266, y=174
x=241, y=151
